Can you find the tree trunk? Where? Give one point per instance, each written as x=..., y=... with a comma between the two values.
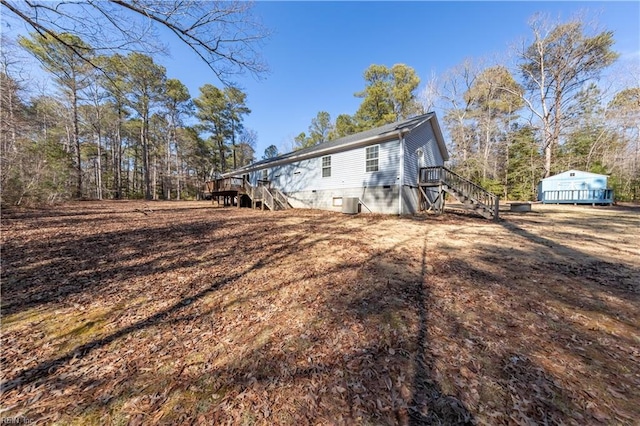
x=178, y=174
x=233, y=143
x=487, y=146
x=134, y=184
x=118, y=159
x=154, y=194
x=99, y=166
x=167, y=179
x=76, y=140
x=145, y=157
x=506, y=171
x=547, y=161
x=223, y=160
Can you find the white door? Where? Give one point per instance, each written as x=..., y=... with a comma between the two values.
x=420, y=161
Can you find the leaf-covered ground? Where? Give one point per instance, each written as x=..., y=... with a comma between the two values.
x=169, y=312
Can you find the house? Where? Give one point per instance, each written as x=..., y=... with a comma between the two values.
x=378, y=167
x=575, y=187
x=397, y=168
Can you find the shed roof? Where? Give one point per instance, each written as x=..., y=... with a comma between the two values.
x=577, y=174
x=368, y=137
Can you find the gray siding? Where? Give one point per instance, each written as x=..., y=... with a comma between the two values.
x=347, y=171
x=392, y=189
x=409, y=200
x=420, y=138
x=373, y=199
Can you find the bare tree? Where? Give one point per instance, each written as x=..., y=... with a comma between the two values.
x=248, y=139
x=430, y=93
x=455, y=84
x=10, y=91
x=554, y=67
x=224, y=34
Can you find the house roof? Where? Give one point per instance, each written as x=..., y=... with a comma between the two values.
x=368, y=137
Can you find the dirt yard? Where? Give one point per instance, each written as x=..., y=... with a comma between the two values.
x=186, y=313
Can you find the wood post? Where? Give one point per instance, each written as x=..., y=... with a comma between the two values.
x=496, y=211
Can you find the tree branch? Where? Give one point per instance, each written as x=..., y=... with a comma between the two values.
x=222, y=34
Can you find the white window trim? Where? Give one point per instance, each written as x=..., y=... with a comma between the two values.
x=369, y=159
x=323, y=167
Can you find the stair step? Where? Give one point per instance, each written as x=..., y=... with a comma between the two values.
x=469, y=203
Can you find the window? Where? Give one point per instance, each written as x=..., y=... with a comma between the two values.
x=572, y=174
x=337, y=201
x=372, y=153
x=265, y=174
x=326, y=166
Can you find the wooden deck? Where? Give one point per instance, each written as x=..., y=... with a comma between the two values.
x=239, y=192
x=578, y=196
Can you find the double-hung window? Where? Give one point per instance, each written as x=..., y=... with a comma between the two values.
x=326, y=166
x=372, y=155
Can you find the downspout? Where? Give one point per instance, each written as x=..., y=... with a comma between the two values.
x=401, y=174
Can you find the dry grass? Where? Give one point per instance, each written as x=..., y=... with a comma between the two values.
x=195, y=314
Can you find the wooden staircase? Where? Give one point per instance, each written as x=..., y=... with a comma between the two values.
x=280, y=199
x=262, y=195
x=472, y=196
x=272, y=198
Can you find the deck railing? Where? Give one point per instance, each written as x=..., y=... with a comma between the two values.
x=442, y=175
x=225, y=184
x=261, y=192
x=280, y=198
x=248, y=188
x=588, y=196
x=267, y=197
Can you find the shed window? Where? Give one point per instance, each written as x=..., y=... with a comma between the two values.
x=326, y=166
x=572, y=174
x=372, y=153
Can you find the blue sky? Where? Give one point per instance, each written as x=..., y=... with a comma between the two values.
x=318, y=51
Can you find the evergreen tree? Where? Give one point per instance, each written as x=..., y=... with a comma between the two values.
x=389, y=96
x=270, y=152
x=58, y=55
x=320, y=130
x=145, y=84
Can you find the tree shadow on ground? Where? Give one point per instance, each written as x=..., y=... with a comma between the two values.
x=296, y=318
x=353, y=357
